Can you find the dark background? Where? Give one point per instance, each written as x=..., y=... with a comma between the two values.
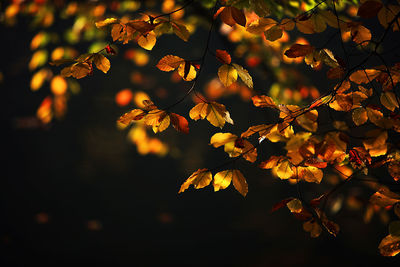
x=82, y=171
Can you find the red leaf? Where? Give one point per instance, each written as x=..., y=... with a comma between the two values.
x=369, y=9
x=223, y=56
x=179, y=123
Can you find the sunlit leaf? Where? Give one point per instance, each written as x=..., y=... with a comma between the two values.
x=214, y=112
x=390, y=246
x=359, y=116
x=199, y=179
x=244, y=75
x=227, y=74
x=264, y=101
x=147, y=41
x=169, y=63
x=274, y=33
x=181, y=31
x=389, y=100
x=299, y=50
x=223, y=56
x=101, y=62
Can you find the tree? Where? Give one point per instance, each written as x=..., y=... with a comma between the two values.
x=345, y=132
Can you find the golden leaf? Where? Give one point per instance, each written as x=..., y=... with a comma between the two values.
x=239, y=182
x=169, y=63
x=101, y=62
x=106, y=22
x=227, y=74
x=310, y=174
x=147, y=41
x=262, y=130
x=222, y=180
x=180, y=31
x=133, y=115
x=244, y=75
x=199, y=179
x=284, y=170
x=220, y=139
x=214, y=112
x=263, y=101
x=187, y=71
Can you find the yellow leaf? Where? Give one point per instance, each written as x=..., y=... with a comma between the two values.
x=227, y=74
x=214, y=112
x=187, y=73
x=133, y=115
x=101, y=62
x=295, y=205
x=310, y=174
x=199, y=179
x=309, y=120
x=359, y=116
x=263, y=101
x=244, y=75
x=158, y=119
x=106, y=22
x=284, y=170
x=222, y=180
x=376, y=144
x=220, y=139
x=147, y=41
x=169, y=63
x=389, y=100
x=239, y=182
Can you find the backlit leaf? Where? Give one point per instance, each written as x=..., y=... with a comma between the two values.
x=390, y=246
x=220, y=139
x=181, y=31
x=179, y=123
x=222, y=180
x=239, y=182
x=223, y=56
x=369, y=9
x=214, y=112
x=106, y=22
x=244, y=75
x=169, y=63
x=274, y=33
x=199, y=179
x=263, y=101
x=147, y=41
x=284, y=170
x=359, y=116
x=227, y=74
x=101, y=62
x=133, y=115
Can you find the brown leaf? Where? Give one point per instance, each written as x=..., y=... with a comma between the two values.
x=264, y=101
x=169, y=63
x=133, y=115
x=390, y=246
x=369, y=9
x=179, y=123
x=223, y=56
x=299, y=50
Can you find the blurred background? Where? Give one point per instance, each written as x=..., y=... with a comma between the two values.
x=76, y=189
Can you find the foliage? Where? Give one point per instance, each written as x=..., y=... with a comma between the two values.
x=346, y=132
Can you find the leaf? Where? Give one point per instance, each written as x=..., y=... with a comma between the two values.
x=187, y=71
x=133, y=115
x=318, y=22
x=179, y=123
x=169, y=63
x=238, y=16
x=284, y=170
x=384, y=197
x=295, y=205
x=181, y=31
x=147, y=41
x=313, y=227
x=223, y=56
x=158, y=119
x=199, y=179
x=262, y=130
x=309, y=120
x=364, y=76
x=222, y=180
x=141, y=26
x=274, y=33
x=271, y=162
x=360, y=35
x=77, y=70
x=231, y=15
x=106, y=22
x=369, y=9
x=220, y=139
x=101, y=62
x=299, y=50
x=359, y=116
x=214, y=112
x=310, y=174
x=244, y=75
x=335, y=73
x=260, y=7
x=264, y=101
x=389, y=100
x=116, y=31
x=227, y=74
x=390, y=246
x=239, y=182
x=281, y=204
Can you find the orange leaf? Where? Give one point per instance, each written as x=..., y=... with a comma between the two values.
x=299, y=50
x=179, y=123
x=263, y=101
x=169, y=63
x=390, y=246
x=223, y=56
x=133, y=115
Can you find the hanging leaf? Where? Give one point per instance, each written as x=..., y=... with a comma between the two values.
x=101, y=62
x=133, y=115
x=299, y=50
x=389, y=100
x=214, y=112
x=199, y=179
x=244, y=75
x=179, y=123
x=106, y=22
x=223, y=56
x=264, y=101
x=169, y=63
x=181, y=31
x=227, y=74
x=274, y=33
x=147, y=41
